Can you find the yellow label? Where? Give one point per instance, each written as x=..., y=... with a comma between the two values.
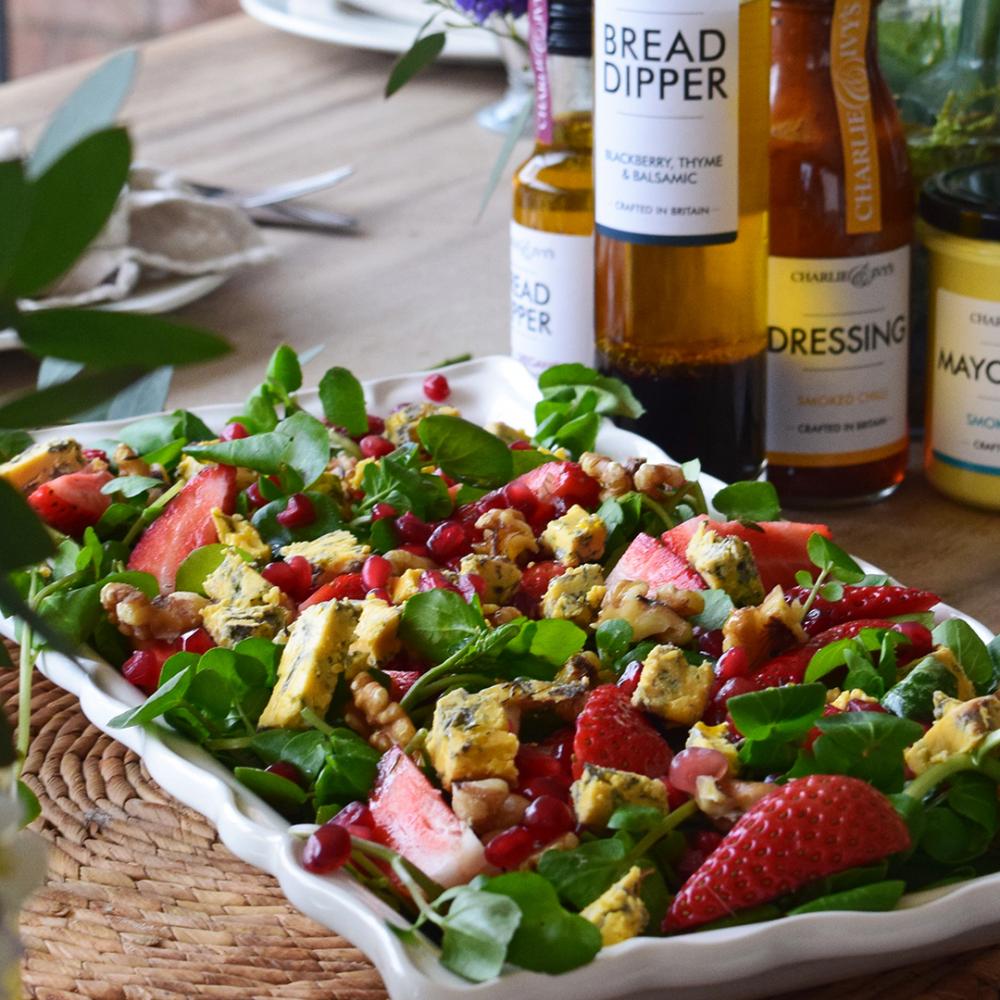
x=849, y=72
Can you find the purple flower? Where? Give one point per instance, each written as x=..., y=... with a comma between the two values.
x=482, y=10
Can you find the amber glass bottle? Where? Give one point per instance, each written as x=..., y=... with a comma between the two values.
x=552, y=229
x=841, y=224
x=681, y=192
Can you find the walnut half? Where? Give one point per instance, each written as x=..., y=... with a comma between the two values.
x=143, y=618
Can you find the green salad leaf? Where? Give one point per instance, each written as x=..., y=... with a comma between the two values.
x=466, y=451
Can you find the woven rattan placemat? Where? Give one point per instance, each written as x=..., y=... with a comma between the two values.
x=143, y=902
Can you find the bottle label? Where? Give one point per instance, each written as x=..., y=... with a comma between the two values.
x=837, y=358
x=849, y=75
x=551, y=298
x=666, y=120
x=965, y=383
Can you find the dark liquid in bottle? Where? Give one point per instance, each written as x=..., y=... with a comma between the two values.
x=711, y=412
x=838, y=486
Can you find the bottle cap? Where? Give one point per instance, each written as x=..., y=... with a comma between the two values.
x=571, y=27
x=965, y=201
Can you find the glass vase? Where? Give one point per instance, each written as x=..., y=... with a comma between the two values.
x=502, y=115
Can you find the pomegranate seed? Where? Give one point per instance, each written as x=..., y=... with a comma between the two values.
x=573, y=485
x=355, y=816
x=920, y=642
x=859, y=705
x=471, y=585
x=375, y=446
x=234, y=432
x=412, y=529
x=197, y=641
x=447, y=540
x=520, y=497
x=142, y=669
x=327, y=849
x=416, y=550
x=433, y=579
x=383, y=510
x=382, y=594
x=710, y=643
x=544, y=512
x=729, y=689
x=691, y=764
x=733, y=663
x=347, y=586
x=532, y=762
x=285, y=769
x=520, y=445
x=376, y=425
x=545, y=785
x=92, y=454
x=254, y=497
x=510, y=848
x=548, y=817
x=436, y=388
x=298, y=512
x=561, y=743
x=707, y=840
x=629, y=679
x=536, y=578
x=376, y=572
x=294, y=577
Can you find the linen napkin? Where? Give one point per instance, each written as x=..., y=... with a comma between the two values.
x=158, y=229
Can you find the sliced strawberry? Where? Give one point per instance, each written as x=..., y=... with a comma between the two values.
x=611, y=732
x=411, y=817
x=72, y=502
x=185, y=525
x=779, y=547
x=805, y=830
x=861, y=602
x=652, y=562
x=790, y=667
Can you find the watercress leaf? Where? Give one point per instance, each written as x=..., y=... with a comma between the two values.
x=753, y=915
x=635, y=819
x=264, y=651
x=913, y=696
x=211, y=692
x=272, y=788
x=548, y=938
x=13, y=442
x=526, y=459
x=145, y=582
x=310, y=445
x=994, y=650
x=974, y=797
x=952, y=839
x=773, y=756
x=803, y=578
x=307, y=751
x=343, y=401
x=112, y=340
x=397, y=480
x=831, y=591
x=553, y=640
x=349, y=771
x=269, y=744
x=328, y=518
x=74, y=613
x=25, y=540
x=477, y=931
x=196, y=567
x=466, y=451
x=824, y=553
x=784, y=712
x=284, y=369
x=969, y=650
x=877, y=896
x=151, y=434
x=718, y=607
x=580, y=875
x=622, y=517
x=166, y=697
x=748, y=501
x=616, y=398
x=578, y=435
x=417, y=57
x=436, y=623
x=862, y=675
x=70, y=202
x=613, y=638
x=829, y=658
x=131, y=486
x=866, y=745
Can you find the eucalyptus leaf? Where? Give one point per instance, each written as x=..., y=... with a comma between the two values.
x=416, y=58
x=66, y=399
x=13, y=443
x=92, y=106
x=15, y=196
x=31, y=808
x=25, y=540
x=112, y=340
x=70, y=203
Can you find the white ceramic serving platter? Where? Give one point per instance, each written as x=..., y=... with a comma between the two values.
x=740, y=962
x=148, y=297
x=330, y=21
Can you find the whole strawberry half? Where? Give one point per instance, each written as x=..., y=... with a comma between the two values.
x=72, y=502
x=611, y=732
x=861, y=602
x=805, y=830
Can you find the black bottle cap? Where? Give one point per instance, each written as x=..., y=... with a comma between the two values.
x=571, y=27
x=965, y=201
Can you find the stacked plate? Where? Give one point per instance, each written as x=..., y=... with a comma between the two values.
x=383, y=25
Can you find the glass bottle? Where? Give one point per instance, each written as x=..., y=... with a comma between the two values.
x=681, y=191
x=841, y=224
x=552, y=228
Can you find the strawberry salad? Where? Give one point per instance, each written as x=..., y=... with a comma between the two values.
x=532, y=696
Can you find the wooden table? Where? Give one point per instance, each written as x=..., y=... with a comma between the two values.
x=235, y=102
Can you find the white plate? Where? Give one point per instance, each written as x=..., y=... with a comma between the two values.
x=413, y=12
x=740, y=962
x=328, y=21
x=148, y=297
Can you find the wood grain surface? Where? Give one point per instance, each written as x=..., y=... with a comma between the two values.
x=234, y=102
